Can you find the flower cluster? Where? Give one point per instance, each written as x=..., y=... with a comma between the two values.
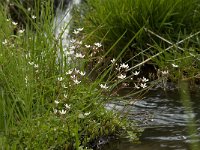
x=121, y=69
x=142, y=83
x=61, y=108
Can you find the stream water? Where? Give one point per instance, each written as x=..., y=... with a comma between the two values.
x=165, y=124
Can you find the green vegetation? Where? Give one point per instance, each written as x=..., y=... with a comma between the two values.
x=53, y=94
x=161, y=33
x=48, y=99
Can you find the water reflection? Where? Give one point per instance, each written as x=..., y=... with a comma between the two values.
x=162, y=115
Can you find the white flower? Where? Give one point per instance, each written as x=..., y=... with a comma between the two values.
x=55, y=111
x=104, y=86
x=87, y=46
x=136, y=73
x=72, y=40
x=125, y=66
x=60, y=78
x=36, y=66
x=82, y=73
x=98, y=44
x=21, y=31
x=67, y=106
x=79, y=42
x=86, y=114
x=56, y=102
x=76, y=32
x=174, y=65
x=113, y=60
x=31, y=63
x=62, y=112
x=79, y=55
x=76, y=70
x=143, y=85
x=144, y=79
x=14, y=23
x=5, y=42
x=121, y=76
x=165, y=72
x=76, y=81
x=71, y=52
x=33, y=17
x=69, y=72
x=72, y=47
x=80, y=29
x=29, y=9
x=136, y=86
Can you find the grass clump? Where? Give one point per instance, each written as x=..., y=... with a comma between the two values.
x=48, y=98
x=159, y=32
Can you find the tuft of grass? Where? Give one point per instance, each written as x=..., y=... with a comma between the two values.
x=165, y=32
x=49, y=98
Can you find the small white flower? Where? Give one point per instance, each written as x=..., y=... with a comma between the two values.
x=143, y=85
x=174, y=65
x=165, y=72
x=80, y=29
x=21, y=31
x=76, y=32
x=14, y=23
x=125, y=66
x=72, y=40
x=62, y=112
x=56, y=102
x=33, y=17
x=69, y=72
x=79, y=42
x=31, y=63
x=87, y=46
x=5, y=42
x=36, y=66
x=29, y=9
x=77, y=71
x=71, y=52
x=79, y=55
x=8, y=20
x=86, y=114
x=98, y=44
x=72, y=47
x=67, y=106
x=60, y=78
x=145, y=79
x=76, y=81
x=136, y=73
x=136, y=86
x=104, y=86
x=55, y=111
x=113, y=60
x=82, y=73
x=121, y=76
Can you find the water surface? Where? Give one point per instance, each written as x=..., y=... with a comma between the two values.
x=164, y=120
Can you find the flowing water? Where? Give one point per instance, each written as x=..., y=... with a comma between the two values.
x=165, y=124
